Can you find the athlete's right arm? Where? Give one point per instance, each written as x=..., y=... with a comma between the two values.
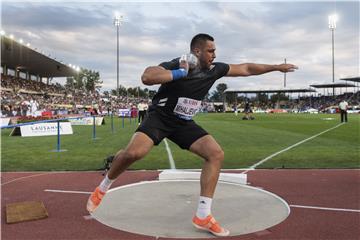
x=159, y=75
x=156, y=75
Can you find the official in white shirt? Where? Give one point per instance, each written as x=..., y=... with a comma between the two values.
x=343, y=106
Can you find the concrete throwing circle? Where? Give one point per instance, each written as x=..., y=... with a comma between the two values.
x=165, y=208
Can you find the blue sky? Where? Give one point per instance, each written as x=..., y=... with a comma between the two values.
x=83, y=34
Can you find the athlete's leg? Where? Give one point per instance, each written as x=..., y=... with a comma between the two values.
x=139, y=145
x=207, y=148
x=210, y=150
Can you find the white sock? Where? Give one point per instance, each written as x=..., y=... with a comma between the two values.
x=204, y=207
x=105, y=184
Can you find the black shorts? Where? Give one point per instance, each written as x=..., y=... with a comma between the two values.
x=158, y=125
x=247, y=110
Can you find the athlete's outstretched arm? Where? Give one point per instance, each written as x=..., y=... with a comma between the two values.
x=248, y=69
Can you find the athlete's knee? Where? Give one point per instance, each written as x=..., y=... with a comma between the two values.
x=132, y=155
x=217, y=156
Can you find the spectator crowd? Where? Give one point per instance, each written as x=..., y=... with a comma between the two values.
x=20, y=97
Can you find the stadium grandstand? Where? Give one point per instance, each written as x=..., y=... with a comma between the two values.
x=306, y=100
x=356, y=81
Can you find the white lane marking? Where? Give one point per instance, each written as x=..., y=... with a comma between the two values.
x=222, y=169
x=324, y=208
x=88, y=217
x=288, y=148
x=54, y=172
x=171, y=159
x=40, y=174
x=20, y=178
x=63, y=191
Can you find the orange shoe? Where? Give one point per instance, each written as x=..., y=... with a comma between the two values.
x=94, y=200
x=209, y=224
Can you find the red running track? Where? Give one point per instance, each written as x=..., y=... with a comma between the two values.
x=334, y=189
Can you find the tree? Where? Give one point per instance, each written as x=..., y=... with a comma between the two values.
x=207, y=97
x=218, y=94
x=231, y=98
x=146, y=91
x=91, y=80
x=133, y=92
x=221, y=87
x=152, y=93
x=262, y=97
x=113, y=92
x=278, y=97
x=122, y=91
x=70, y=83
x=85, y=80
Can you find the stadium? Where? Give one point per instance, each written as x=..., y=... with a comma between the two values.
x=291, y=157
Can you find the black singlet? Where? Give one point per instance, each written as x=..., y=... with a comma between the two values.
x=182, y=97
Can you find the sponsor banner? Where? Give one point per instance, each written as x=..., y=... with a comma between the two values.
x=4, y=122
x=124, y=113
x=45, y=129
x=87, y=121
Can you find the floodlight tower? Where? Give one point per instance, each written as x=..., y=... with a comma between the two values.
x=332, y=26
x=117, y=22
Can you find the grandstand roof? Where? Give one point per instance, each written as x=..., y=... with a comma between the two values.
x=20, y=57
x=352, y=79
x=283, y=90
x=332, y=85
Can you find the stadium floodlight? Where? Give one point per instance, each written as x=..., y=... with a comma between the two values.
x=21, y=41
x=12, y=36
x=332, y=21
x=2, y=32
x=117, y=19
x=332, y=26
x=77, y=69
x=117, y=22
x=28, y=44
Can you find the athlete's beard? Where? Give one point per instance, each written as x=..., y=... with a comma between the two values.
x=204, y=66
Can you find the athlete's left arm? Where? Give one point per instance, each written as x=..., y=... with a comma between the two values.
x=248, y=69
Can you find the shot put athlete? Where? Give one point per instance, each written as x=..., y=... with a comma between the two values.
x=184, y=83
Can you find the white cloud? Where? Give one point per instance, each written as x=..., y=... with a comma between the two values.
x=264, y=32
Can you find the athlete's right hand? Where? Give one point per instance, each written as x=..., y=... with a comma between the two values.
x=191, y=60
x=186, y=62
x=183, y=63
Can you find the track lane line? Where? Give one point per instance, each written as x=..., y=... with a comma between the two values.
x=170, y=156
x=290, y=147
x=65, y=191
x=325, y=208
x=20, y=178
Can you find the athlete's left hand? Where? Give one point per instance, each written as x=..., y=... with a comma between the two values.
x=287, y=67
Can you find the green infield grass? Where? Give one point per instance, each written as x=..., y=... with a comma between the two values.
x=245, y=142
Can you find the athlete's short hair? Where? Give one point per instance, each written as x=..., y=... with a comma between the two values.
x=199, y=40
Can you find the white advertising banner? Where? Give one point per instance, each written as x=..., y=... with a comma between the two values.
x=4, y=122
x=124, y=113
x=87, y=121
x=45, y=129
